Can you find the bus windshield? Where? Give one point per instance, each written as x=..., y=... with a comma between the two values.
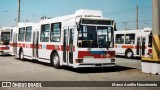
x=95, y=36
x=5, y=38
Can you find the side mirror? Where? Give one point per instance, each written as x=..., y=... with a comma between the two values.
x=115, y=29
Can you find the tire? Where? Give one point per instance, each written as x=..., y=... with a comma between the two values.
x=56, y=61
x=129, y=54
x=21, y=55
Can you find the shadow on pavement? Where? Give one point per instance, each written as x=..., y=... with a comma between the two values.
x=99, y=69
x=6, y=55
x=134, y=58
x=85, y=70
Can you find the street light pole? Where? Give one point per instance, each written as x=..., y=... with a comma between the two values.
x=18, y=18
x=137, y=15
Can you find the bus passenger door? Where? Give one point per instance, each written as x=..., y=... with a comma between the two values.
x=35, y=44
x=15, y=43
x=68, y=45
x=138, y=48
x=143, y=45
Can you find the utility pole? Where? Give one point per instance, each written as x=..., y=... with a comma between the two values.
x=18, y=18
x=151, y=64
x=156, y=29
x=137, y=15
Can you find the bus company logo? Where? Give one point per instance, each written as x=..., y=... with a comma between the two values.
x=119, y=46
x=6, y=84
x=44, y=46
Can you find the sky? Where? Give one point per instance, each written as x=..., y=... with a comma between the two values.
x=122, y=11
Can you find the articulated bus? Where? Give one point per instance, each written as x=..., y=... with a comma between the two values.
x=5, y=33
x=78, y=40
x=133, y=43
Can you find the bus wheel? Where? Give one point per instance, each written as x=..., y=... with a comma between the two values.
x=21, y=55
x=129, y=54
x=56, y=61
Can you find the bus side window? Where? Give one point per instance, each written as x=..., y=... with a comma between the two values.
x=21, y=34
x=28, y=34
x=55, y=32
x=45, y=33
x=119, y=39
x=130, y=39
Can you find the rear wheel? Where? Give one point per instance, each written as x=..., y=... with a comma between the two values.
x=56, y=61
x=129, y=54
x=21, y=55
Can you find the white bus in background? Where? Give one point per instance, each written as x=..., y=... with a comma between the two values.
x=24, y=30
x=77, y=40
x=5, y=33
x=13, y=41
x=133, y=43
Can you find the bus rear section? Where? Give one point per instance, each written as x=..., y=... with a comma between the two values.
x=133, y=43
x=5, y=40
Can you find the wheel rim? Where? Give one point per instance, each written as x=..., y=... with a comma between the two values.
x=21, y=55
x=55, y=60
x=129, y=54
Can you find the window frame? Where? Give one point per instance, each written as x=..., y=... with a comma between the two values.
x=122, y=39
x=41, y=40
x=130, y=39
x=52, y=31
x=23, y=34
x=30, y=34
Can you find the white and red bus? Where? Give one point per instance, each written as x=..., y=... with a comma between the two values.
x=5, y=33
x=78, y=40
x=133, y=43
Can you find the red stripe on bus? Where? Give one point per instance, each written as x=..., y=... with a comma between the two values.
x=48, y=47
x=11, y=44
x=149, y=50
x=109, y=54
x=54, y=47
x=4, y=48
x=128, y=46
x=59, y=47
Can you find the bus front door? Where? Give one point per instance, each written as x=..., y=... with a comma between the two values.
x=68, y=45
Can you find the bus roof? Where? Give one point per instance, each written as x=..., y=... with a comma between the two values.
x=24, y=24
x=82, y=13
x=139, y=30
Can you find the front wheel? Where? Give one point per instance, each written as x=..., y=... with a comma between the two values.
x=129, y=54
x=56, y=61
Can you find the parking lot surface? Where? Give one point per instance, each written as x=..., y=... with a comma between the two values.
x=13, y=69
